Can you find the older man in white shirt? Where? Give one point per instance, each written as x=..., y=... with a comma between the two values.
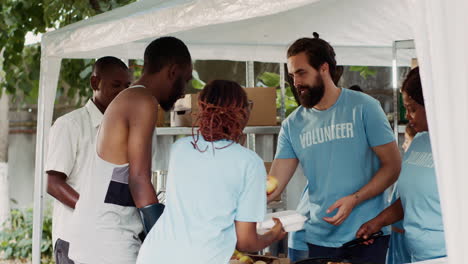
x=71, y=146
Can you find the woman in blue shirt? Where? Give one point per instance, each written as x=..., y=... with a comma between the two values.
x=419, y=204
x=397, y=250
x=216, y=188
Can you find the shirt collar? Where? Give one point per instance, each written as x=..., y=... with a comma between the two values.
x=94, y=113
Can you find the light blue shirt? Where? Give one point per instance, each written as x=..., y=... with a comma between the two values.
x=206, y=193
x=334, y=147
x=417, y=186
x=398, y=252
x=296, y=240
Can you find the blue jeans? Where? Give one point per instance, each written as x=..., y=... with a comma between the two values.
x=375, y=253
x=296, y=255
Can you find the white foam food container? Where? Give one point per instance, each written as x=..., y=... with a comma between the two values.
x=291, y=220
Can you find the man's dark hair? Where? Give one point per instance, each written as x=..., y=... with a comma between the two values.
x=164, y=51
x=413, y=87
x=317, y=50
x=105, y=62
x=338, y=73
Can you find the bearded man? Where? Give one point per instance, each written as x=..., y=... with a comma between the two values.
x=347, y=150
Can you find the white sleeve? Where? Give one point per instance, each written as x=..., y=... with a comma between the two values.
x=62, y=147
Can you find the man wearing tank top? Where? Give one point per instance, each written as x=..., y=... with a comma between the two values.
x=119, y=201
x=71, y=144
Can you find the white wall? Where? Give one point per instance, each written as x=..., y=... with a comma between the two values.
x=21, y=159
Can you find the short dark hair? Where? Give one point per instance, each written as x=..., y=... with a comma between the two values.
x=164, y=51
x=318, y=52
x=356, y=88
x=105, y=62
x=338, y=73
x=413, y=87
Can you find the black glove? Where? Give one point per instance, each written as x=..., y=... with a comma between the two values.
x=149, y=215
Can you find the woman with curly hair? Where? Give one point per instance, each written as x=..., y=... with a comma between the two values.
x=419, y=205
x=216, y=188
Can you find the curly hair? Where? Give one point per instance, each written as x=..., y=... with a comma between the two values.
x=223, y=113
x=413, y=87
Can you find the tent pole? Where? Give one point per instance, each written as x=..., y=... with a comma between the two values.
x=283, y=91
x=49, y=74
x=395, y=91
x=250, y=82
x=38, y=212
x=249, y=74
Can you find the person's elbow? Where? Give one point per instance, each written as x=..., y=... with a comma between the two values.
x=55, y=180
x=52, y=183
x=245, y=245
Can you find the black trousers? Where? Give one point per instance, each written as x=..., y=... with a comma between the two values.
x=375, y=253
x=61, y=252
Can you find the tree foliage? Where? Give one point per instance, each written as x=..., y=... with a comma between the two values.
x=21, y=63
x=16, y=237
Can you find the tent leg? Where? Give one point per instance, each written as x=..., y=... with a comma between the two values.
x=395, y=91
x=283, y=92
x=50, y=69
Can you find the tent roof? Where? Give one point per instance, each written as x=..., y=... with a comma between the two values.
x=362, y=31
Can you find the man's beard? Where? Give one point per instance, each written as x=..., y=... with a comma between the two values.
x=177, y=91
x=312, y=95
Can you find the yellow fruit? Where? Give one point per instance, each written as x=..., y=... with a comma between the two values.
x=237, y=255
x=260, y=262
x=272, y=184
x=246, y=260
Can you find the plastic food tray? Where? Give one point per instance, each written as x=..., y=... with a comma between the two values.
x=292, y=221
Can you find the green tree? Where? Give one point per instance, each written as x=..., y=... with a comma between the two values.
x=20, y=64
x=270, y=79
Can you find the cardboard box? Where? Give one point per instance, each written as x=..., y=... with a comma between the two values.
x=264, y=106
x=414, y=63
x=262, y=114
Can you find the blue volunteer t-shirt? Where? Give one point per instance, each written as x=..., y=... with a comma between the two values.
x=398, y=252
x=417, y=186
x=296, y=240
x=334, y=147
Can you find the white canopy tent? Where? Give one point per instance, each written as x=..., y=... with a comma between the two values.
x=362, y=32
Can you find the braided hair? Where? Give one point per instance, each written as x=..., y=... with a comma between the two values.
x=223, y=113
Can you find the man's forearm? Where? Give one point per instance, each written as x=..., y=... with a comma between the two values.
x=62, y=191
x=384, y=178
x=283, y=170
x=143, y=192
x=260, y=243
x=391, y=214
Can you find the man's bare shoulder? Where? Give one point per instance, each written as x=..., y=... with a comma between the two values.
x=134, y=100
x=137, y=96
